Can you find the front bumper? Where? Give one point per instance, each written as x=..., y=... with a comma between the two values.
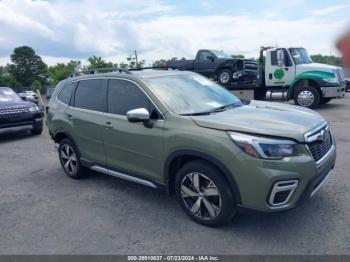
x=300, y=178
x=32, y=119
x=333, y=91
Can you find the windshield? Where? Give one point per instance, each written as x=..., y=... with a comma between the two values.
x=191, y=94
x=8, y=95
x=220, y=54
x=300, y=56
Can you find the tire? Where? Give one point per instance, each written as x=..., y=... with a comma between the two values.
x=37, y=130
x=67, y=152
x=325, y=100
x=307, y=96
x=214, y=209
x=225, y=76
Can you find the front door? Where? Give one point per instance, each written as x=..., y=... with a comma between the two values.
x=132, y=147
x=279, y=75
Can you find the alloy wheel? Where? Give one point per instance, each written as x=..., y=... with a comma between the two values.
x=69, y=159
x=306, y=98
x=224, y=77
x=201, y=196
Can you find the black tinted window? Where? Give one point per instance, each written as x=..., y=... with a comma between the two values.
x=124, y=95
x=204, y=55
x=90, y=95
x=274, y=58
x=66, y=93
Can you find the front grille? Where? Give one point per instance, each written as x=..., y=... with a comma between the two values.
x=321, y=146
x=4, y=110
x=13, y=111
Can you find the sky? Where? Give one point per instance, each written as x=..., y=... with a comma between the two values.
x=62, y=30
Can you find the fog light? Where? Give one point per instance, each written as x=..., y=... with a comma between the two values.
x=282, y=192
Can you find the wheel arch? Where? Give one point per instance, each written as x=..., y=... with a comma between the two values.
x=303, y=82
x=62, y=134
x=181, y=157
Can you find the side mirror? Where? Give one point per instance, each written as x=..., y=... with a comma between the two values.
x=138, y=115
x=210, y=57
x=280, y=57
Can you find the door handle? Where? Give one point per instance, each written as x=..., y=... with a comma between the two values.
x=108, y=124
x=69, y=116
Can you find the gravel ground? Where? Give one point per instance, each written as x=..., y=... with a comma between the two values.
x=44, y=212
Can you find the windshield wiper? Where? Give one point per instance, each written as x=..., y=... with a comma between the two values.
x=224, y=107
x=197, y=113
x=214, y=110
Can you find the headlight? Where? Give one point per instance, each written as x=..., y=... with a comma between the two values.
x=331, y=80
x=34, y=109
x=263, y=147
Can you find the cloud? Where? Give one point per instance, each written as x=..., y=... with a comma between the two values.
x=328, y=10
x=64, y=30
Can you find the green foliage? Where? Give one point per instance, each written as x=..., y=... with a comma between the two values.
x=159, y=63
x=98, y=62
x=27, y=66
x=131, y=62
x=36, y=85
x=61, y=71
x=238, y=56
x=327, y=59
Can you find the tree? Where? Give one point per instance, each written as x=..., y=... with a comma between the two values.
x=131, y=62
x=61, y=71
x=98, y=62
x=27, y=66
x=326, y=59
x=237, y=56
x=36, y=85
x=159, y=63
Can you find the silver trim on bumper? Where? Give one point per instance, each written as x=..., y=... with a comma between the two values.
x=320, y=184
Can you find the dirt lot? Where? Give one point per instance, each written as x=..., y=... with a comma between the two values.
x=44, y=212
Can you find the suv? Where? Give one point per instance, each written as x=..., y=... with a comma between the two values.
x=179, y=131
x=15, y=112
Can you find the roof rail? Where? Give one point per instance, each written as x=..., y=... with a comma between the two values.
x=100, y=70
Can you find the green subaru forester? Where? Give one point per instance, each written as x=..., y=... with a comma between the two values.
x=181, y=132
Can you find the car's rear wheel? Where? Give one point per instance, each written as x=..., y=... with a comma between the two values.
x=225, y=76
x=307, y=96
x=204, y=194
x=37, y=130
x=69, y=158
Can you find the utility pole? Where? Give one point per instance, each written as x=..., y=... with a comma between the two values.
x=137, y=64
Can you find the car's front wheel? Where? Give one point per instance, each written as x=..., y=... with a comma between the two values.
x=307, y=97
x=204, y=194
x=69, y=158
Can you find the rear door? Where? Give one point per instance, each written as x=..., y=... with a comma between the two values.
x=86, y=118
x=132, y=147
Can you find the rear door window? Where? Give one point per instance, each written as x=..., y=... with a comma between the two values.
x=90, y=95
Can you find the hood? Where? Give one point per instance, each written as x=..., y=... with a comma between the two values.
x=264, y=118
x=317, y=67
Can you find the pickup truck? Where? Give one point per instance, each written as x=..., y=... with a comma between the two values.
x=218, y=65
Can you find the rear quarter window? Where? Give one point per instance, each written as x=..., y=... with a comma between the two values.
x=66, y=93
